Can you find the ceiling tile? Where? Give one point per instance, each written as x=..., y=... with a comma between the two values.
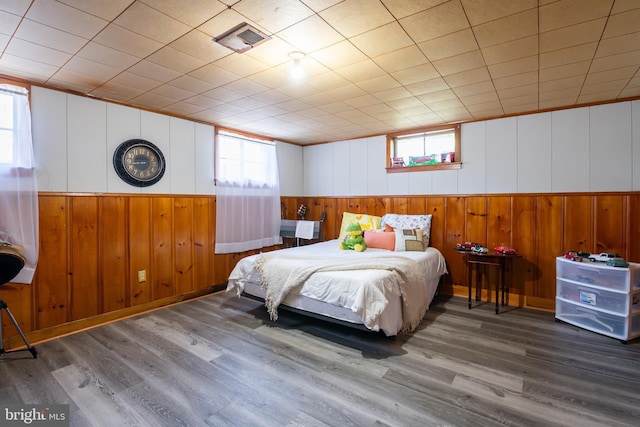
x=16, y=7
x=436, y=22
x=37, y=33
x=154, y=71
x=8, y=22
x=385, y=39
x=127, y=41
x=416, y=74
x=401, y=9
x=621, y=60
x=199, y=45
x=622, y=23
x=507, y=29
x=339, y=55
x=459, y=63
x=169, y=57
x=37, y=53
x=107, y=10
x=474, y=89
x=190, y=12
x=107, y=56
x=620, y=44
x=468, y=77
x=364, y=70
x=401, y=59
x=370, y=15
x=310, y=35
x=568, y=55
x=68, y=19
x=622, y=73
x=574, y=35
x=449, y=45
x=516, y=80
x=481, y=11
x=428, y=86
x=517, y=66
x=570, y=70
x=37, y=71
x=527, y=46
x=569, y=12
x=273, y=15
x=164, y=30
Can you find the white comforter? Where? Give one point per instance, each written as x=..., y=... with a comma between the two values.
x=366, y=292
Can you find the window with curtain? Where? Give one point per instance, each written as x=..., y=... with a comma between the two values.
x=18, y=189
x=247, y=193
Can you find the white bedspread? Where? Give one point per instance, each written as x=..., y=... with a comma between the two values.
x=366, y=292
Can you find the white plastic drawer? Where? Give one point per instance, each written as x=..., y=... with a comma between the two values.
x=616, y=302
x=599, y=274
x=621, y=327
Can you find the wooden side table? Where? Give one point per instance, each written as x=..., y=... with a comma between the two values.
x=475, y=260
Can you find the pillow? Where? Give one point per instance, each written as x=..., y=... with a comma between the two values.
x=408, y=240
x=380, y=240
x=408, y=222
x=367, y=222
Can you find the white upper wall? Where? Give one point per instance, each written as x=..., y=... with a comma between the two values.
x=575, y=150
x=588, y=149
x=75, y=137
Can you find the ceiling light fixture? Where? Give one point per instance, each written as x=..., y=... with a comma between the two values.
x=297, y=72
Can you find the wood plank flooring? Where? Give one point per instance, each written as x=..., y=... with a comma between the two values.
x=219, y=361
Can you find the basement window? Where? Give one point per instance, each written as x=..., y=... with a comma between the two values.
x=424, y=149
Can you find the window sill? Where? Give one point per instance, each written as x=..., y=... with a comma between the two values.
x=436, y=167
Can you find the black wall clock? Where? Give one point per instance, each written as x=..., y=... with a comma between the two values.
x=139, y=162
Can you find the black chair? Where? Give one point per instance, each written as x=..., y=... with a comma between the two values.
x=11, y=262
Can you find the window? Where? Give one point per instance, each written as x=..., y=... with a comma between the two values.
x=247, y=193
x=18, y=189
x=243, y=159
x=426, y=149
x=7, y=124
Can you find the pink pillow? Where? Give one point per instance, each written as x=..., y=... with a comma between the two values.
x=380, y=239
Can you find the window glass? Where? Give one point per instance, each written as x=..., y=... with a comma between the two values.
x=245, y=160
x=6, y=128
x=426, y=148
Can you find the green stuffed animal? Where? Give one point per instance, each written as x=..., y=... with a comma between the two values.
x=353, y=240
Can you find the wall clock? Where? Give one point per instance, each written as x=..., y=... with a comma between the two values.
x=139, y=162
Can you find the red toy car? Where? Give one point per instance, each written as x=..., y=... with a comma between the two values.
x=466, y=246
x=505, y=250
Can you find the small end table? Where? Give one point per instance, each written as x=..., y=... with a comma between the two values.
x=491, y=259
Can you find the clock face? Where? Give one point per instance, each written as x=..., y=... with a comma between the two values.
x=139, y=162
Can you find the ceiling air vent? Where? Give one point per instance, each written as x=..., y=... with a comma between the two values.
x=241, y=38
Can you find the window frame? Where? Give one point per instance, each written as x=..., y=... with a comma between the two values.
x=12, y=165
x=391, y=139
x=248, y=136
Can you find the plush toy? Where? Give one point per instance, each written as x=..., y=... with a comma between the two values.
x=353, y=240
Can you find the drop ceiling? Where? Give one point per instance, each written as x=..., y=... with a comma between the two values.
x=372, y=66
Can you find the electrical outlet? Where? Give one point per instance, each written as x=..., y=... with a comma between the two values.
x=142, y=276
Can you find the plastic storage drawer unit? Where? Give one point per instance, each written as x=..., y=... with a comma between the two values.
x=611, y=301
x=599, y=274
x=598, y=297
x=620, y=327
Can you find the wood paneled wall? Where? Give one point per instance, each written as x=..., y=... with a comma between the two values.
x=92, y=247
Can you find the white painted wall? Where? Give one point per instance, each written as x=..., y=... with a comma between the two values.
x=587, y=149
x=575, y=150
x=75, y=137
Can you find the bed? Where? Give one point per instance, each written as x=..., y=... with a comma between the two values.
x=378, y=289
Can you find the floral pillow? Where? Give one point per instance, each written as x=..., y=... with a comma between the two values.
x=367, y=222
x=407, y=222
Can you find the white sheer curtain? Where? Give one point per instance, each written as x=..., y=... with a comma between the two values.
x=18, y=189
x=247, y=194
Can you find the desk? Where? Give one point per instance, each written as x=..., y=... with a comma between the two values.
x=492, y=259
